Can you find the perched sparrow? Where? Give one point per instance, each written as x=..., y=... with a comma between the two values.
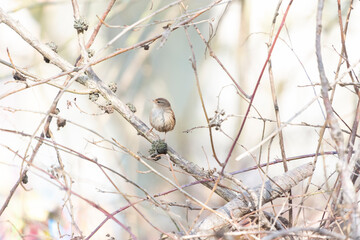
x=162, y=117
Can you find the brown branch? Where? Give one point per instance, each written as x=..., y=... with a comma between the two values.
x=98, y=26
x=213, y=55
x=277, y=108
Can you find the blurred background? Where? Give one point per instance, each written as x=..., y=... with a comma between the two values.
x=240, y=33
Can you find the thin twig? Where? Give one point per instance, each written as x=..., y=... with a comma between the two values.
x=98, y=26
x=256, y=87
x=193, y=64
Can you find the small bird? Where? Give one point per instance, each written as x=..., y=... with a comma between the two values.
x=162, y=117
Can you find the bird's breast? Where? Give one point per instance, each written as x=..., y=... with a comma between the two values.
x=162, y=120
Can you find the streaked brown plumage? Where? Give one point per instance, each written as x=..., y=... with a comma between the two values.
x=162, y=117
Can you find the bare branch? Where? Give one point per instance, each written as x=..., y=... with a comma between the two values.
x=242, y=204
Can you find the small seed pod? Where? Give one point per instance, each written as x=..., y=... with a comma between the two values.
x=108, y=108
x=91, y=53
x=112, y=86
x=94, y=96
x=53, y=47
x=60, y=123
x=81, y=25
x=131, y=107
x=25, y=179
x=19, y=77
x=160, y=146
